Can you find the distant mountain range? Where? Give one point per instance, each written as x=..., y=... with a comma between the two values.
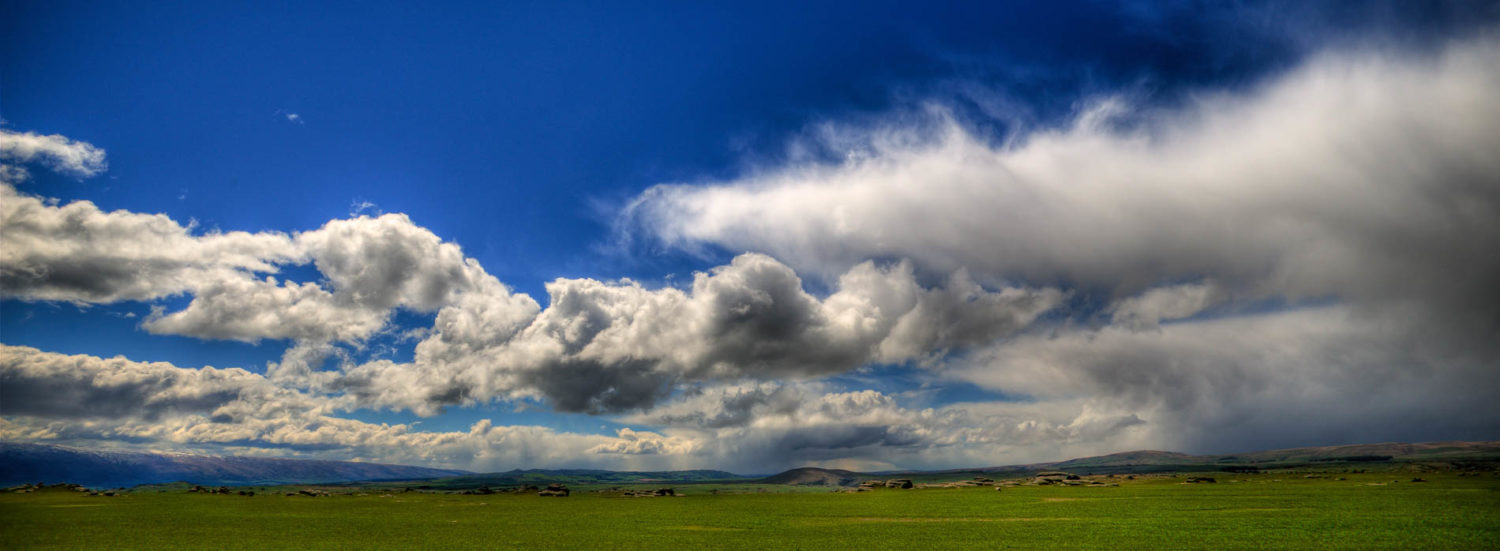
x=29, y=463
x=1423, y=456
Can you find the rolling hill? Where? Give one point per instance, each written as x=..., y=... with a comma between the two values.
x=1388, y=456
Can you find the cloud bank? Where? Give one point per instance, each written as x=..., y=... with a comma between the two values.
x=1309, y=261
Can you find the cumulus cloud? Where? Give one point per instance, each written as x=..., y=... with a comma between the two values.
x=607, y=347
x=371, y=266
x=80, y=253
x=244, y=308
x=38, y=383
x=75, y=158
x=598, y=347
x=644, y=443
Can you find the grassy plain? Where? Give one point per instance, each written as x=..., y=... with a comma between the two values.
x=1265, y=511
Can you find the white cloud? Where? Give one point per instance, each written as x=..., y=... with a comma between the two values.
x=599, y=346
x=1363, y=180
x=1369, y=176
x=75, y=158
x=644, y=443
x=79, y=253
x=250, y=309
x=602, y=347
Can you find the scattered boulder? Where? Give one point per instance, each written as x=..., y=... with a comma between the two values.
x=1053, y=477
x=872, y=484
x=664, y=492
x=901, y=483
x=1418, y=480
x=554, y=490
x=310, y=492
x=1201, y=480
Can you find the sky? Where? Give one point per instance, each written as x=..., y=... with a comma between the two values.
x=749, y=237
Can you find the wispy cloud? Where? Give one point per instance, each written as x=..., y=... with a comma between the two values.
x=75, y=158
x=291, y=117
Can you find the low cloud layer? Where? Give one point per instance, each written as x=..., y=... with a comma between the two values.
x=780, y=425
x=772, y=425
x=1282, y=379
x=80, y=398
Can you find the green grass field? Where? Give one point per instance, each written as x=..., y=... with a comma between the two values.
x=1266, y=511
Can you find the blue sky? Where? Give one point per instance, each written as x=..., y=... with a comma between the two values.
x=992, y=155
